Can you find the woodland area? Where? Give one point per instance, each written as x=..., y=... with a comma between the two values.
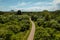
x=17, y=26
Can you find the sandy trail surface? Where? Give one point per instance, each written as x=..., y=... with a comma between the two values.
x=31, y=35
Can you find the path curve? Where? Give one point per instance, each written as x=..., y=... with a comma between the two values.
x=31, y=35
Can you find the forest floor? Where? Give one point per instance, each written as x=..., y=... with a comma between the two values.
x=31, y=35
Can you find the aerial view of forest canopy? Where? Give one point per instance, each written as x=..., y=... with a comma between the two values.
x=29, y=19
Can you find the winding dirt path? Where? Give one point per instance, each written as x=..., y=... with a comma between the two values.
x=31, y=35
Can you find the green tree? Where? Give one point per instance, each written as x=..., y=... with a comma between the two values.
x=19, y=12
x=34, y=17
x=1, y=12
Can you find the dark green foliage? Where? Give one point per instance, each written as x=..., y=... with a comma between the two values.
x=4, y=19
x=57, y=11
x=5, y=35
x=40, y=22
x=8, y=36
x=24, y=28
x=12, y=24
x=1, y=13
x=15, y=27
x=47, y=17
x=19, y=12
x=34, y=17
x=48, y=26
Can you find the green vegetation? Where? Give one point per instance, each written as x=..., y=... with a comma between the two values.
x=14, y=27
x=19, y=12
x=17, y=26
x=47, y=26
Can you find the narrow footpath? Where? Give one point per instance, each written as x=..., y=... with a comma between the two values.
x=31, y=35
